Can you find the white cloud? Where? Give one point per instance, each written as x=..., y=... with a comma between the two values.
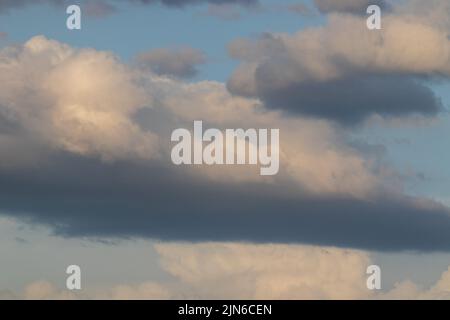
x=77, y=100
x=405, y=45
x=44, y=290
x=243, y=271
x=85, y=101
x=144, y=291
x=247, y=271
x=322, y=72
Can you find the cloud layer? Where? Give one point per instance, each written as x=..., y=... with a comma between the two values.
x=323, y=73
x=246, y=271
x=87, y=152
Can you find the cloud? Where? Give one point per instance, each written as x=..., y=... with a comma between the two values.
x=181, y=62
x=71, y=106
x=180, y=3
x=435, y=11
x=7, y=295
x=144, y=291
x=246, y=271
x=322, y=73
x=223, y=11
x=44, y=290
x=118, y=113
x=300, y=8
x=352, y=100
x=348, y=6
x=235, y=271
x=7, y=5
x=100, y=8
x=86, y=152
x=410, y=291
x=94, y=201
x=92, y=8
x=250, y=271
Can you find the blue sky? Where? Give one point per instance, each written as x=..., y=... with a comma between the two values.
x=158, y=27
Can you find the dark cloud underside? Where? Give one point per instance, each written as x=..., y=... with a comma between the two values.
x=79, y=197
x=352, y=100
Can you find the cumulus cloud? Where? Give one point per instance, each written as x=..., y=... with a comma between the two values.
x=179, y=62
x=435, y=11
x=236, y=271
x=322, y=73
x=113, y=113
x=85, y=150
x=245, y=271
x=248, y=271
x=66, y=102
x=88, y=154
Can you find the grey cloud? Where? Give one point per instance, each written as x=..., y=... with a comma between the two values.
x=348, y=6
x=92, y=8
x=122, y=183
x=180, y=62
x=321, y=73
x=82, y=197
x=107, y=6
x=351, y=100
x=300, y=8
x=180, y=3
x=7, y=125
x=223, y=11
x=98, y=9
x=6, y=5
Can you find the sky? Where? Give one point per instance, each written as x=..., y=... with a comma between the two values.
x=86, y=176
